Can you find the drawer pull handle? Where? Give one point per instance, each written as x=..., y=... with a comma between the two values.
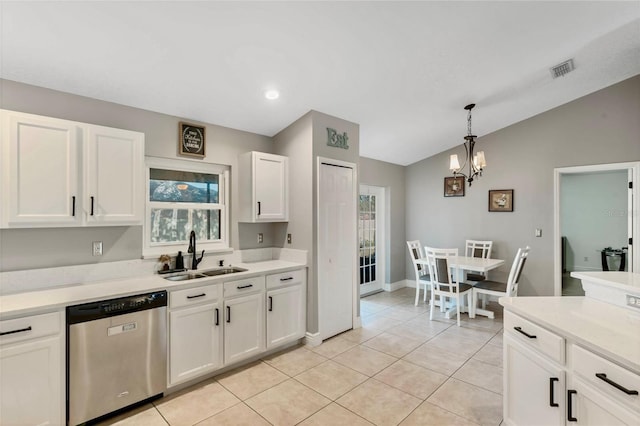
x=91, y=206
x=270, y=304
x=240, y=287
x=196, y=296
x=519, y=330
x=73, y=205
x=21, y=330
x=570, y=417
x=603, y=376
x=286, y=279
x=552, y=380
x=217, y=316
x=228, y=314
x=259, y=208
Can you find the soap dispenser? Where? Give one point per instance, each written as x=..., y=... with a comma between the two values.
x=179, y=261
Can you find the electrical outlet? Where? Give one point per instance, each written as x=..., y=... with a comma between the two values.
x=260, y=238
x=538, y=232
x=288, y=238
x=586, y=258
x=97, y=248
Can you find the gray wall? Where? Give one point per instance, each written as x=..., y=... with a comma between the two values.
x=593, y=208
x=602, y=127
x=30, y=248
x=391, y=177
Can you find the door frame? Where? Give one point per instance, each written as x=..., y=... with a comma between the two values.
x=355, y=318
x=380, y=233
x=634, y=169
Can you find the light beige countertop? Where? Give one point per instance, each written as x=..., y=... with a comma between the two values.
x=19, y=304
x=608, y=330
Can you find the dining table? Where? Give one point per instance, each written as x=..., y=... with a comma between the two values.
x=470, y=264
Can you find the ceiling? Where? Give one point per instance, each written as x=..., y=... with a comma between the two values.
x=402, y=70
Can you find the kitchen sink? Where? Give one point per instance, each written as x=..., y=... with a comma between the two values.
x=184, y=277
x=222, y=271
x=204, y=274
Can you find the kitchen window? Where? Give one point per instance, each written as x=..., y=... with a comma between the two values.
x=181, y=197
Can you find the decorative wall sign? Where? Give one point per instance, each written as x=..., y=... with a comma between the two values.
x=454, y=186
x=337, y=140
x=501, y=200
x=192, y=140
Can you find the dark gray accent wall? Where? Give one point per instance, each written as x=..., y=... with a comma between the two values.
x=391, y=177
x=603, y=127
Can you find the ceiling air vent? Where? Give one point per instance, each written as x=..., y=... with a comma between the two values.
x=562, y=69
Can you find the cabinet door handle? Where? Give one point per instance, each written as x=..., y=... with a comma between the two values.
x=228, y=313
x=196, y=296
x=570, y=417
x=270, y=303
x=552, y=380
x=91, y=206
x=259, y=208
x=519, y=330
x=217, y=316
x=240, y=287
x=73, y=205
x=21, y=330
x=603, y=377
x=286, y=279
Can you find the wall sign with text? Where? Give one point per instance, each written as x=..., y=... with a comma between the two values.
x=336, y=139
x=192, y=139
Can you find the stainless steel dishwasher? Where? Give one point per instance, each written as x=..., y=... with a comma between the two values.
x=116, y=354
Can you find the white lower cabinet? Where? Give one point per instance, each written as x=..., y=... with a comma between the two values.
x=31, y=371
x=286, y=307
x=243, y=318
x=534, y=387
x=195, y=333
x=539, y=389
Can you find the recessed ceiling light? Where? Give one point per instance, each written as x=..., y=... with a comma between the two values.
x=272, y=94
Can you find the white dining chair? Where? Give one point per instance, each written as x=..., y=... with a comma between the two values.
x=421, y=271
x=481, y=249
x=498, y=289
x=444, y=281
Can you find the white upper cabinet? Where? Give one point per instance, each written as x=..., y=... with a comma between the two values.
x=63, y=173
x=264, y=187
x=114, y=160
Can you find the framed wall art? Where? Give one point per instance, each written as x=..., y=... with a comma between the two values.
x=454, y=186
x=191, y=140
x=501, y=200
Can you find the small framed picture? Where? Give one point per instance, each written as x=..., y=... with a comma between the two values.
x=501, y=200
x=191, y=140
x=454, y=186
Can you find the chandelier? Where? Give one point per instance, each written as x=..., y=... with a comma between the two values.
x=475, y=162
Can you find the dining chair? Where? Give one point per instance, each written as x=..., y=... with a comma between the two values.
x=444, y=282
x=498, y=289
x=422, y=272
x=478, y=248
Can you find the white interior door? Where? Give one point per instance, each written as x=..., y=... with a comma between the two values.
x=371, y=239
x=336, y=248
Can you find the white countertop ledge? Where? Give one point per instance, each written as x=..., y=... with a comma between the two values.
x=40, y=301
x=611, y=331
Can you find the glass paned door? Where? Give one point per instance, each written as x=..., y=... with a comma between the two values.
x=369, y=238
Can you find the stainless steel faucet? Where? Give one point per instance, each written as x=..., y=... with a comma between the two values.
x=192, y=249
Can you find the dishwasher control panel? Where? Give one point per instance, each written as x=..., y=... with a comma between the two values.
x=119, y=306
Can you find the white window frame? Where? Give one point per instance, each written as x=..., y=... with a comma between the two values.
x=222, y=245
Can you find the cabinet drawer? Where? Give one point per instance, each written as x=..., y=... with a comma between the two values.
x=285, y=278
x=245, y=286
x=539, y=338
x=19, y=329
x=607, y=376
x=193, y=296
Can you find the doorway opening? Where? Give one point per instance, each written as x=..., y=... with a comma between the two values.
x=371, y=240
x=595, y=222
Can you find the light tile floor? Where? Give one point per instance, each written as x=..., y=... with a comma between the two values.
x=400, y=368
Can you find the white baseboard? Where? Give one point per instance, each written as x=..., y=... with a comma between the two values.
x=357, y=322
x=312, y=339
x=407, y=283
